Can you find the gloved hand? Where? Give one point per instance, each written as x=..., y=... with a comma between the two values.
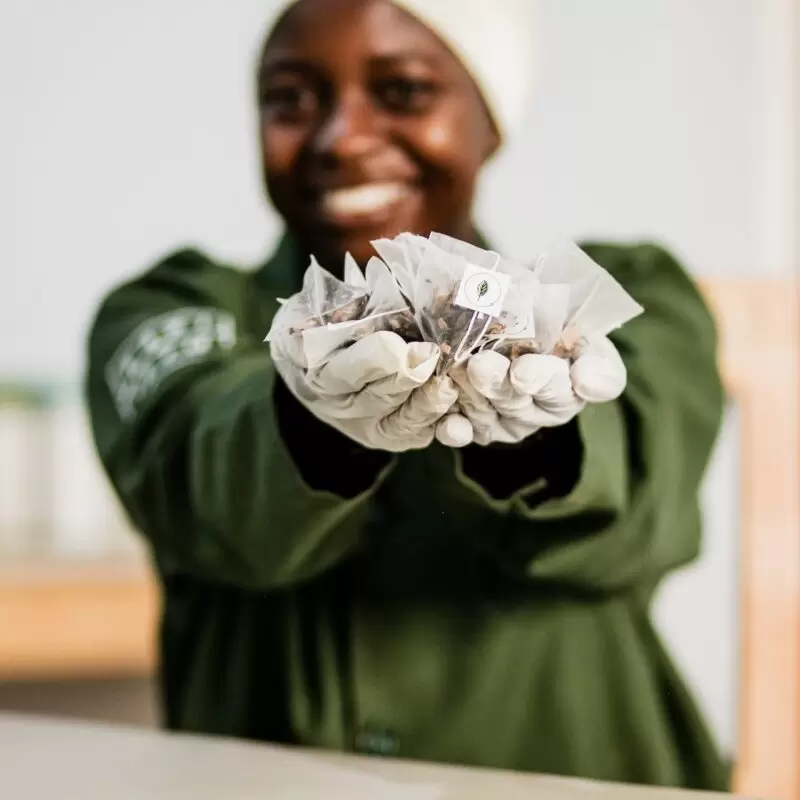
x=507, y=401
x=380, y=391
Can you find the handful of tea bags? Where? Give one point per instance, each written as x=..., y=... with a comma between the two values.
x=455, y=295
x=382, y=354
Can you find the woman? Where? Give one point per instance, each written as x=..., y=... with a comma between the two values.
x=487, y=606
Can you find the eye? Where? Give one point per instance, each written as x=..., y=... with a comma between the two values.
x=288, y=101
x=405, y=95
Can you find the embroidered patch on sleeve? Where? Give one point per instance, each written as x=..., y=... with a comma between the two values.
x=161, y=346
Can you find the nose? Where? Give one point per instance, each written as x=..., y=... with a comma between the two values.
x=349, y=132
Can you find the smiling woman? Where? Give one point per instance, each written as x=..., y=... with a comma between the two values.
x=488, y=606
x=370, y=126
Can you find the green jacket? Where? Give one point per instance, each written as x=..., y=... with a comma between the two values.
x=485, y=607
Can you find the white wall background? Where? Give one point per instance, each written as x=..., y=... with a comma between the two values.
x=127, y=130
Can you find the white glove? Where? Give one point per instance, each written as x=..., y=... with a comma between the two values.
x=380, y=391
x=507, y=401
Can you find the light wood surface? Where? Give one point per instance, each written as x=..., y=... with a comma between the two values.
x=759, y=324
x=43, y=759
x=76, y=620
x=61, y=620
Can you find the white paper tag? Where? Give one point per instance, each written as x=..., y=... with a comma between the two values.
x=482, y=290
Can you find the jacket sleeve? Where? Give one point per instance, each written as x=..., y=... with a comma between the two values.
x=612, y=500
x=209, y=455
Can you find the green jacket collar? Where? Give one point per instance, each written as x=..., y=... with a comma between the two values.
x=282, y=273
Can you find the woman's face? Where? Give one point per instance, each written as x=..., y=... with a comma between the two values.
x=369, y=127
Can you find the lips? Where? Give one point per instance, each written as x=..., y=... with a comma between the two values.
x=366, y=203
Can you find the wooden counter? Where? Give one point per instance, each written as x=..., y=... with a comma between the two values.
x=44, y=759
x=62, y=619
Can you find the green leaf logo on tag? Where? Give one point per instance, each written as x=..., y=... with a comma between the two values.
x=482, y=290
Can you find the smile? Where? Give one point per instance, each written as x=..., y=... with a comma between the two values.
x=369, y=200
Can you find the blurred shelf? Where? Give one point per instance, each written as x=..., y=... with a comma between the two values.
x=67, y=619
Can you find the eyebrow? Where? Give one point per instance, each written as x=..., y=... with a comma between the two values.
x=270, y=66
x=408, y=55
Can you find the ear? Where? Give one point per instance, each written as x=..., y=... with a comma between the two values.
x=492, y=138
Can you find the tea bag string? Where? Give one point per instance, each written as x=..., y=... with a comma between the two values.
x=459, y=355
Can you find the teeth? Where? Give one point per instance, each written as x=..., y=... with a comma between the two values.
x=362, y=199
